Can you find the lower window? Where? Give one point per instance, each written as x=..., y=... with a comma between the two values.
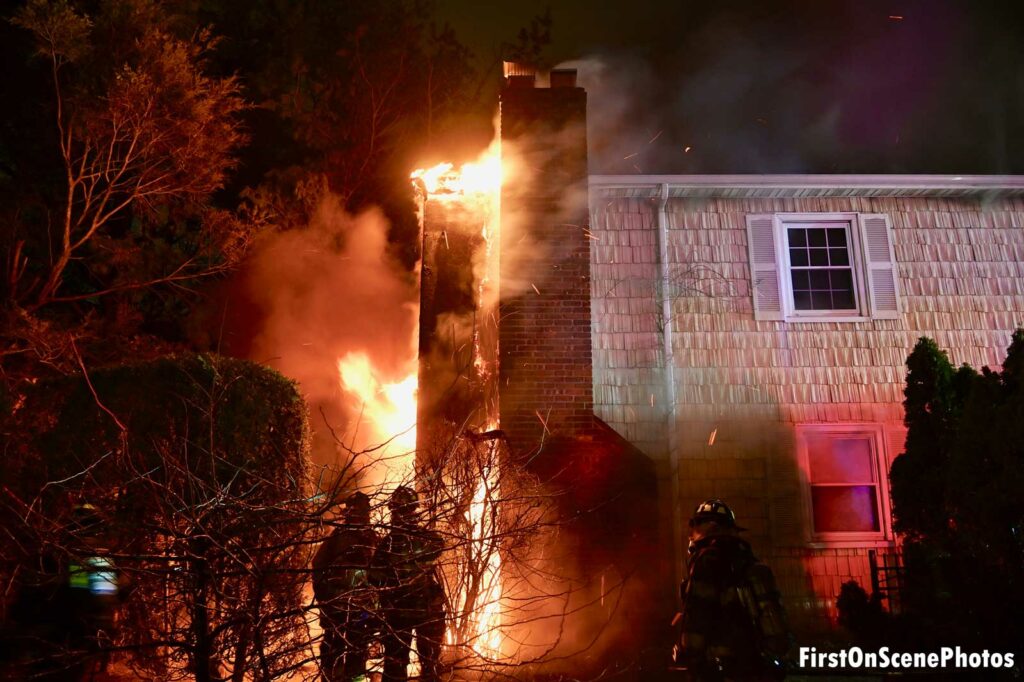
x=844, y=474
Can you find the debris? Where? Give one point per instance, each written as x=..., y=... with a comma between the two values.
x=542, y=421
x=711, y=438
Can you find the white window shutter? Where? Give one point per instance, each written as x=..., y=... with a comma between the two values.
x=880, y=266
x=764, y=267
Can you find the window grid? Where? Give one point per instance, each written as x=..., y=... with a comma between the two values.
x=821, y=273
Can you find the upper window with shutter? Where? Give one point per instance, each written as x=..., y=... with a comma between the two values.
x=815, y=267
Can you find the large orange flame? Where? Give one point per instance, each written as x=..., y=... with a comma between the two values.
x=488, y=636
x=480, y=177
x=388, y=412
x=477, y=186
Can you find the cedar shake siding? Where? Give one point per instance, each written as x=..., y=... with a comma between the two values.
x=743, y=390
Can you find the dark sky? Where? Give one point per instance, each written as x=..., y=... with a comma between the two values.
x=826, y=86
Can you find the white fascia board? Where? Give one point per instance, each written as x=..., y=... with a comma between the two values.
x=683, y=185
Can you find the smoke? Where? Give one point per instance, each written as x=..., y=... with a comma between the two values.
x=328, y=292
x=776, y=90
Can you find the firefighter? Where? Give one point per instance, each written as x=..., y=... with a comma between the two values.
x=733, y=625
x=65, y=614
x=412, y=599
x=341, y=584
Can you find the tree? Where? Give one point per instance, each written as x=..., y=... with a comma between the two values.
x=348, y=98
x=956, y=495
x=143, y=137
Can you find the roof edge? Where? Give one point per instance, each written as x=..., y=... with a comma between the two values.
x=810, y=184
x=816, y=180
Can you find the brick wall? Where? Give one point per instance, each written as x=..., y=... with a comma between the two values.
x=545, y=342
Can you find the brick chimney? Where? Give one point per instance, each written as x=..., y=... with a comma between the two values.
x=545, y=382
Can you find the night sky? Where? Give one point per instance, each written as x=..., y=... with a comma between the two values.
x=928, y=86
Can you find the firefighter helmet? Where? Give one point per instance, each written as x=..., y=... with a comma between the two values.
x=357, y=505
x=714, y=510
x=403, y=501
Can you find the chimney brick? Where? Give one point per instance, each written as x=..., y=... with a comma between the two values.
x=545, y=331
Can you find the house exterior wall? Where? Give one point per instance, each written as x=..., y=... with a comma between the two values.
x=742, y=386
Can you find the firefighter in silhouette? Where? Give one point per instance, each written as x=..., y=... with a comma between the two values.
x=411, y=596
x=733, y=625
x=341, y=584
x=63, y=620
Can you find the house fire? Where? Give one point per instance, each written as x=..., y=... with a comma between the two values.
x=743, y=336
x=505, y=358
x=734, y=336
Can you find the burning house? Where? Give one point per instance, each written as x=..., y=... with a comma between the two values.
x=654, y=340
x=505, y=357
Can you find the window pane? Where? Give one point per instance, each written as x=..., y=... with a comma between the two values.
x=819, y=279
x=836, y=236
x=835, y=458
x=816, y=237
x=840, y=280
x=819, y=256
x=821, y=300
x=845, y=509
x=838, y=257
x=843, y=300
x=802, y=300
x=797, y=236
x=801, y=280
x=798, y=257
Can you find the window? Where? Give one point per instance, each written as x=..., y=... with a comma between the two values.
x=808, y=267
x=820, y=269
x=844, y=469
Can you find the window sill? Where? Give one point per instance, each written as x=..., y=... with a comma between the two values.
x=825, y=318
x=880, y=543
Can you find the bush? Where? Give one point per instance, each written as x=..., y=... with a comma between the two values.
x=196, y=468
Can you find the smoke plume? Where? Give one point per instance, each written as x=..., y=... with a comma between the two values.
x=328, y=292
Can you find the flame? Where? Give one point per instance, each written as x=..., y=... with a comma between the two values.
x=480, y=177
x=388, y=409
x=477, y=186
x=488, y=639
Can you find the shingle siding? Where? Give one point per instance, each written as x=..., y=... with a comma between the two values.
x=961, y=276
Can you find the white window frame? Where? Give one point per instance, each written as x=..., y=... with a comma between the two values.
x=791, y=314
x=883, y=537
x=872, y=259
